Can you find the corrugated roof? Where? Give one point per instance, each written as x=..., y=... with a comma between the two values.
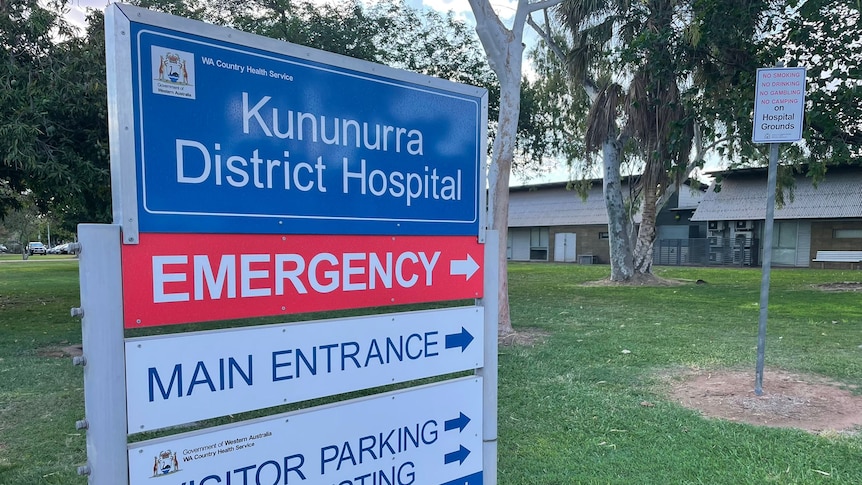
x=839, y=195
x=553, y=205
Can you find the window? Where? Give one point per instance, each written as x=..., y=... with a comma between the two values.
x=847, y=234
x=784, y=235
x=539, y=243
x=784, y=243
x=603, y=235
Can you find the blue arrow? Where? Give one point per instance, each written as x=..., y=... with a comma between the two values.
x=458, y=423
x=461, y=339
x=458, y=456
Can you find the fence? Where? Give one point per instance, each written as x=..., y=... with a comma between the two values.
x=711, y=251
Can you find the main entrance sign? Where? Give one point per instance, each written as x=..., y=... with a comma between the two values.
x=186, y=377
x=233, y=139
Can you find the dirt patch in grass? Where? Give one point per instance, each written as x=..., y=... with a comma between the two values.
x=60, y=352
x=642, y=280
x=789, y=400
x=840, y=286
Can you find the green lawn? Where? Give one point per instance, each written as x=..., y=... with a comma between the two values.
x=569, y=405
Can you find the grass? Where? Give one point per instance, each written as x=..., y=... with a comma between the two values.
x=40, y=397
x=570, y=407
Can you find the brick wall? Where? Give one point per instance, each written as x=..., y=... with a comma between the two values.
x=822, y=240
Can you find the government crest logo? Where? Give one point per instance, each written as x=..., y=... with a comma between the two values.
x=165, y=463
x=173, y=72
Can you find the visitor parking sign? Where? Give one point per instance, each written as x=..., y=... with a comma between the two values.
x=428, y=435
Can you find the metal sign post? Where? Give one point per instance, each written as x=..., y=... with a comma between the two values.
x=103, y=359
x=779, y=106
x=767, y=267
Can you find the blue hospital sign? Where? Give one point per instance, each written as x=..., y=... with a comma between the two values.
x=235, y=139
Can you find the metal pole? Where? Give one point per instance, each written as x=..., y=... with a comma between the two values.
x=767, y=265
x=104, y=357
x=489, y=371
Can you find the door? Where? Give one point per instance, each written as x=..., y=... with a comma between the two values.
x=564, y=247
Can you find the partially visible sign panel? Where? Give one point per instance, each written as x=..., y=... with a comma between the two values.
x=188, y=377
x=234, y=138
x=184, y=278
x=430, y=435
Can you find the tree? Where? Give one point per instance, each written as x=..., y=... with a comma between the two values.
x=20, y=224
x=53, y=135
x=343, y=28
x=646, y=68
x=551, y=125
x=435, y=44
x=504, y=48
x=824, y=37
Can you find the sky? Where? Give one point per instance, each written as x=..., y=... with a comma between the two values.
x=461, y=8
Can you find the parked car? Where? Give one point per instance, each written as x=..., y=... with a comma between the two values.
x=35, y=247
x=59, y=249
x=3, y=248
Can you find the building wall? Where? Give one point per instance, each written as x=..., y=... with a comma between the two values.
x=587, y=240
x=518, y=244
x=822, y=239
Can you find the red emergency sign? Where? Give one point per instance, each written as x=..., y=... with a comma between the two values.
x=185, y=278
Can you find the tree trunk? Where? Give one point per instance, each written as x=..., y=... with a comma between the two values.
x=505, y=52
x=646, y=233
x=619, y=237
x=501, y=168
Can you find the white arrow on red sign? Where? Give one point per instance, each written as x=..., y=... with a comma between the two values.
x=466, y=267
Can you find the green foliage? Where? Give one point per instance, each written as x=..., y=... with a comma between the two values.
x=711, y=50
x=551, y=120
x=53, y=135
x=341, y=27
x=434, y=44
x=824, y=36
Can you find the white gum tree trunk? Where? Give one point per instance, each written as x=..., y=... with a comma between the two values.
x=505, y=50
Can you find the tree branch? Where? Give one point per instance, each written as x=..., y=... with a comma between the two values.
x=541, y=5
x=589, y=85
x=854, y=139
x=546, y=36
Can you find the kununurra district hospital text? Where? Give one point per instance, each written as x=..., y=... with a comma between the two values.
x=199, y=163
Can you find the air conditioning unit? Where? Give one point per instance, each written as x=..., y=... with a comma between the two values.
x=744, y=225
x=712, y=225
